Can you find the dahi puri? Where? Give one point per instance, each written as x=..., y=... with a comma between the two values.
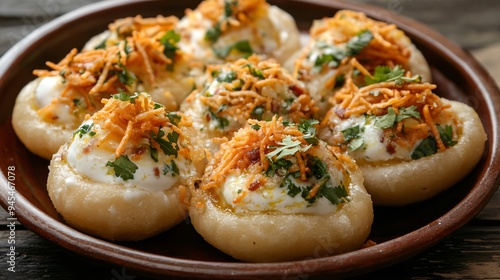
x=351, y=37
x=225, y=30
x=252, y=88
x=409, y=143
x=277, y=193
x=50, y=108
x=125, y=173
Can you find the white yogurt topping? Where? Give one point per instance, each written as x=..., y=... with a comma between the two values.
x=89, y=160
x=270, y=197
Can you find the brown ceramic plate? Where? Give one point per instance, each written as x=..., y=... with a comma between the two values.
x=181, y=251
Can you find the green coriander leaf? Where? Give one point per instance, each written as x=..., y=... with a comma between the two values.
x=292, y=189
x=125, y=97
x=335, y=195
x=213, y=33
x=351, y=133
x=226, y=77
x=222, y=107
x=386, y=74
x=279, y=167
x=157, y=105
x=153, y=152
x=331, y=59
x=85, y=129
x=228, y=7
x=307, y=127
x=288, y=147
x=426, y=148
x=63, y=73
x=123, y=167
x=339, y=81
x=174, y=118
x=125, y=77
x=169, y=41
x=446, y=135
x=357, y=43
x=254, y=71
x=386, y=121
x=243, y=47
x=257, y=112
x=255, y=126
x=169, y=146
x=101, y=45
x=410, y=112
x=318, y=167
x=172, y=169
x=127, y=48
x=223, y=122
x=355, y=144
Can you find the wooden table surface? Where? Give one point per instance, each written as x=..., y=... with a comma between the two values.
x=472, y=252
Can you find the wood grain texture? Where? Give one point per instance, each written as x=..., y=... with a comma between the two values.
x=470, y=253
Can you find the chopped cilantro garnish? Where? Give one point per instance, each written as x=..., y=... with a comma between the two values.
x=257, y=112
x=169, y=41
x=225, y=77
x=76, y=102
x=292, y=189
x=254, y=71
x=243, y=47
x=333, y=55
x=101, y=45
x=335, y=194
x=174, y=118
x=125, y=77
x=357, y=43
x=287, y=147
x=339, y=81
x=386, y=121
x=169, y=146
x=63, y=73
x=223, y=122
x=352, y=136
x=446, y=135
x=228, y=7
x=386, y=74
x=355, y=144
x=157, y=106
x=123, y=167
x=121, y=95
x=255, y=127
x=279, y=167
x=391, y=118
x=426, y=148
x=351, y=133
x=213, y=33
x=331, y=59
x=172, y=168
x=407, y=112
x=153, y=152
x=307, y=127
x=85, y=129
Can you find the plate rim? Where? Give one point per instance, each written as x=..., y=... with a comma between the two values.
x=62, y=235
